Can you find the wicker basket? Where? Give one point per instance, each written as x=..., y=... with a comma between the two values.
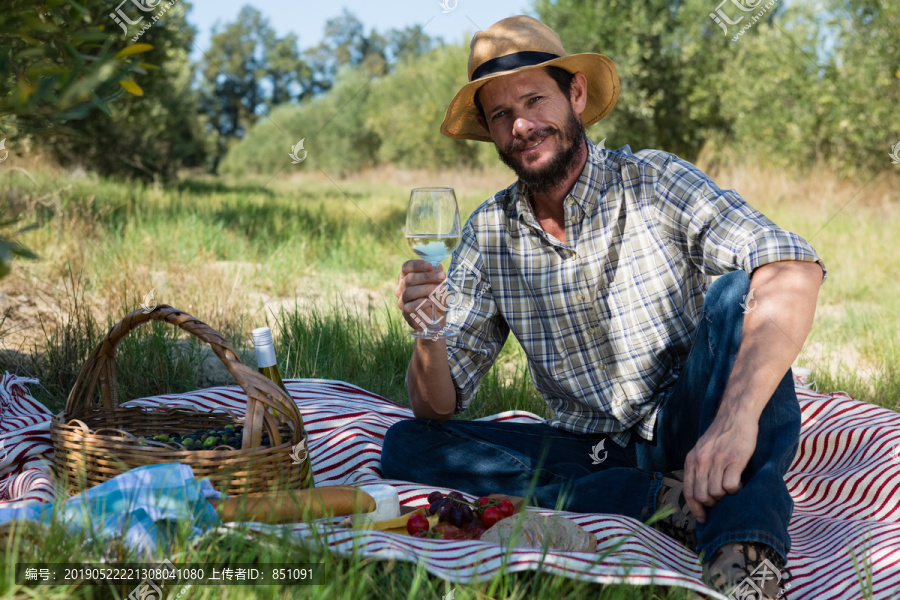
x=95, y=441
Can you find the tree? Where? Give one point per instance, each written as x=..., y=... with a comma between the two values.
x=333, y=126
x=406, y=108
x=58, y=64
x=346, y=44
x=864, y=78
x=153, y=134
x=287, y=75
x=774, y=95
x=57, y=67
x=246, y=72
x=807, y=83
x=667, y=53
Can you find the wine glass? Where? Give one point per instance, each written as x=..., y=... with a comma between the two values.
x=433, y=233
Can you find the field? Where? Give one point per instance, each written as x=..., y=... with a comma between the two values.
x=317, y=259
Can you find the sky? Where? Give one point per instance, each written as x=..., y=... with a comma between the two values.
x=307, y=19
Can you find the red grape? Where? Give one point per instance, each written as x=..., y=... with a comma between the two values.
x=466, y=513
x=456, y=518
x=434, y=497
x=491, y=515
x=416, y=523
x=444, y=507
x=455, y=495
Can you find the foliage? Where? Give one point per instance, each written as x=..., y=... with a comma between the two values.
x=333, y=127
x=57, y=63
x=666, y=53
x=365, y=121
x=66, y=58
x=820, y=88
x=152, y=135
x=246, y=72
x=809, y=82
x=785, y=98
x=238, y=71
x=406, y=108
x=865, y=83
x=802, y=86
x=345, y=43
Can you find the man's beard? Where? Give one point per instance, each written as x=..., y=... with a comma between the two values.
x=552, y=175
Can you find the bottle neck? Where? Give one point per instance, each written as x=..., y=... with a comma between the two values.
x=265, y=356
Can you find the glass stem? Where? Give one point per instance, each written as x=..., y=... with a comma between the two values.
x=434, y=323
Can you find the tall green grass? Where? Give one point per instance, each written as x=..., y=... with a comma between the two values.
x=356, y=348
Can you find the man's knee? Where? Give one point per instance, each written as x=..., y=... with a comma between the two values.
x=724, y=306
x=730, y=292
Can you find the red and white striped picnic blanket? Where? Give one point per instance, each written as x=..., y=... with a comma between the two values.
x=844, y=481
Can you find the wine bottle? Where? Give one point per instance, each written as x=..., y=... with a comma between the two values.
x=268, y=366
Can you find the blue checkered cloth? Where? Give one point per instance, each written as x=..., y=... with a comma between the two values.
x=142, y=506
x=607, y=317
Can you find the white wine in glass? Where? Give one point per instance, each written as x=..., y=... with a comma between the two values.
x=433, y=233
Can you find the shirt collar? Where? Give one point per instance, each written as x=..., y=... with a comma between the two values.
x=588, y=187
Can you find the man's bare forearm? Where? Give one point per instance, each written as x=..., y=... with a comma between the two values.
x=773, y=333
x=431, y=391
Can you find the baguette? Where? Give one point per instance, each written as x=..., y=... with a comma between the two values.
x=294, y=506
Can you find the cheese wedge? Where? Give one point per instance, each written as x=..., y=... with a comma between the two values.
x=398, y=525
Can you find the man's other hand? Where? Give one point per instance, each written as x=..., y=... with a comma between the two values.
x=714, y=466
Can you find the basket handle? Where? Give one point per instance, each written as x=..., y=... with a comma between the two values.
x=100, y=369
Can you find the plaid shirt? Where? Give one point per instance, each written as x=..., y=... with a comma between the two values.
x=607, y=318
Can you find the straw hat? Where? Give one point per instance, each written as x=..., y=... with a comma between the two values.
x=517, y=44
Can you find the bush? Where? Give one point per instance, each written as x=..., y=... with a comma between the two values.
x=406, y=109
x=332, y=127
x=365, y=121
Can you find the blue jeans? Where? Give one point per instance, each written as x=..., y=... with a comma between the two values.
x=556, y=469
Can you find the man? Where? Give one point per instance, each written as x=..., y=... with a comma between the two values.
x=600, y=263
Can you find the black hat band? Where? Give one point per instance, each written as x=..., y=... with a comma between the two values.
x=512, y=61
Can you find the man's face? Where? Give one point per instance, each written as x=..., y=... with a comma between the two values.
x=534, y=127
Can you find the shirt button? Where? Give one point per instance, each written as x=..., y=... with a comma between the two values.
x=601, y=366
x=618, y=402
x=574, y=218
x=569, y=201
x=590, y=331
x=580, y=297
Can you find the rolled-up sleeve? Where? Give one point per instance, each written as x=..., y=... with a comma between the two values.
x=472, y=311
x=719, y=230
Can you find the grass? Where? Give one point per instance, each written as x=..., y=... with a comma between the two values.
x=317, y=260
x=352, y=577
x=854, y=227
